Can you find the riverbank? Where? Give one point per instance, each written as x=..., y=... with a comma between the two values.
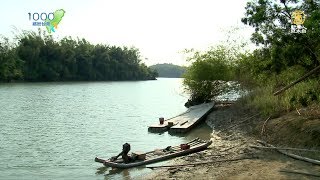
x=235, y=128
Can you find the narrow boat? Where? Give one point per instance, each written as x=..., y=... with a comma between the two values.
x=169, y=152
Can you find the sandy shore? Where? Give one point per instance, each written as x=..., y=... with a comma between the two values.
x=230, y=155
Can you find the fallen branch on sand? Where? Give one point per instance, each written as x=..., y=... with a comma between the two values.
x=263, y=129
x=199, y=163
x=292, y=149
x=298, y=172
x=313, y=161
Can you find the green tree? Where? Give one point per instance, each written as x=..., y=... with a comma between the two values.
x=208, y=75
x=272, y=23
x=28, y=49
x=10, y=64
x=38, y=57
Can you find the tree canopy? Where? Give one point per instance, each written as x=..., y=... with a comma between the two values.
x=208, y=75
x=38, y=57
x=280, y=48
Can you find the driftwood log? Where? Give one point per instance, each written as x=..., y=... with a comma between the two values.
x=292, y=149
x=263, y=129
x=313, y=161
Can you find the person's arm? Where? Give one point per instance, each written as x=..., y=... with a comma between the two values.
x=116, y=157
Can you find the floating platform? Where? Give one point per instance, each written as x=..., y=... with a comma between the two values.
x=185, y=121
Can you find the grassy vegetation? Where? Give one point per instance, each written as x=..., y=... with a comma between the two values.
x=299, y=96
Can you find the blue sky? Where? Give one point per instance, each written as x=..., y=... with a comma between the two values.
x=159, y=28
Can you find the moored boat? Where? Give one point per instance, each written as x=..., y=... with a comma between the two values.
x=158, y=155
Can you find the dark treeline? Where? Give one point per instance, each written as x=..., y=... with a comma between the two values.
x=169, y=70
x=38, y=57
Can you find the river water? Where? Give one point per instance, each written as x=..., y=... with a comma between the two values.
x=55, y=130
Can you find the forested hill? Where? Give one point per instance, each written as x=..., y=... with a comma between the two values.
x=169, y=70
x=38, y=57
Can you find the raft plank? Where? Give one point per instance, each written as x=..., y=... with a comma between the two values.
x=191, y=119
x=185, y=121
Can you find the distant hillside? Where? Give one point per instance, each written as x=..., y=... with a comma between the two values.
x=169, y=70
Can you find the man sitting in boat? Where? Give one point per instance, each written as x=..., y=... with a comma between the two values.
x=124, y=154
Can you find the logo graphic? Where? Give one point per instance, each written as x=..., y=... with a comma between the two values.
x=297, y=19
x=49, y=20
x=53, y=23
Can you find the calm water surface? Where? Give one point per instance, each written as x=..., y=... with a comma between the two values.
x=54, y=130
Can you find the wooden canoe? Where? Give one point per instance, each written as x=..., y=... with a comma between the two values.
x=196, y=145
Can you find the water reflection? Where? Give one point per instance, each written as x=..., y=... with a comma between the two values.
x=102, y=170
x=108, y=172
x=115, y=173
x=201, y=131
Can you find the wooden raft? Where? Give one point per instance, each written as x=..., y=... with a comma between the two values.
x=185, y=121
x=158, y=155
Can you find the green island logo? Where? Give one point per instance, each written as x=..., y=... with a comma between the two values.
x=53, y=24
x=49, y=20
